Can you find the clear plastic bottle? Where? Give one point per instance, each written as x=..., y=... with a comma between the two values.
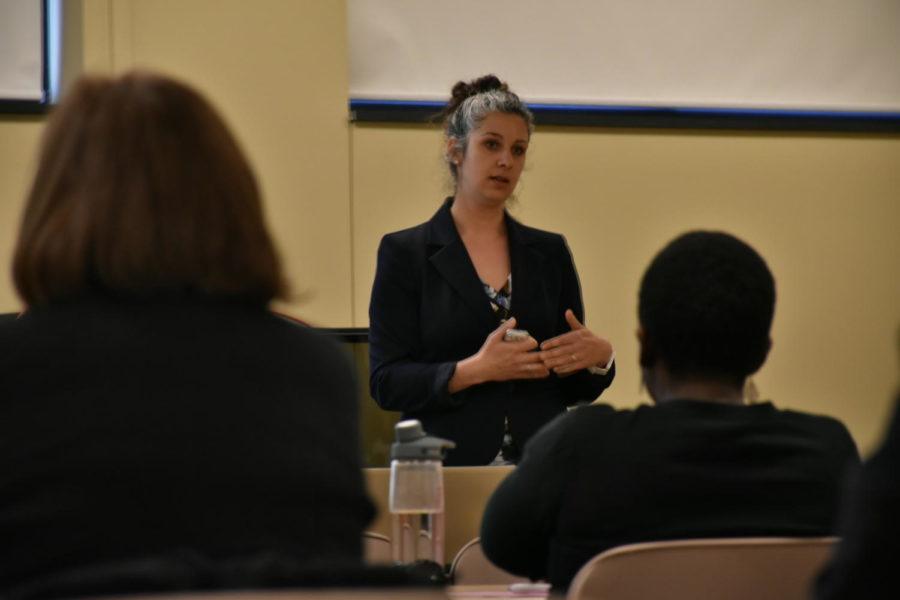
x=416, y=496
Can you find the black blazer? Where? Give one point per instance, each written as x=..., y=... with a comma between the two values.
x=185, y=434
x=429, y=310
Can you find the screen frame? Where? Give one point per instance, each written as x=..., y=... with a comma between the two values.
x=38, y=107
x=414, y=111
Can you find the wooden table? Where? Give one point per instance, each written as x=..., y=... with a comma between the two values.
x=455, y=592
x=484, y=592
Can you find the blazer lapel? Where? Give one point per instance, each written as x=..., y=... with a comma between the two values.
x=452, y=262
x=528, y=270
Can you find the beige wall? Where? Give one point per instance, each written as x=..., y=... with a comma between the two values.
x=823, y=209
x=278, y=72
x=19, y=138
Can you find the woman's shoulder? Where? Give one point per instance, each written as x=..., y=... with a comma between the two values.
x=405, y=237
x=434, y=232
x=549, y=244
x=438, y=229
x=402, y=248
x=533, y=235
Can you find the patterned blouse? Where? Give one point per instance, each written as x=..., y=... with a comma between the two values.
x=501, y=300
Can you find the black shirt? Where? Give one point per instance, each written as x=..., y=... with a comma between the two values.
x=598, y=477
x=146, y=431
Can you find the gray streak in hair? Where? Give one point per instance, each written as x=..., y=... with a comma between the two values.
x=473, y=110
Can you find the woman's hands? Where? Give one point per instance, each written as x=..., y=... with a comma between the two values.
x=578, y=349
x=498, y=360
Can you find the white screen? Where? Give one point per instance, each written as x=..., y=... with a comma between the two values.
x=771, y=54
x=21, y=52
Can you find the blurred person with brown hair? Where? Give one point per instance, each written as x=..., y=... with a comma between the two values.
x=158, y=424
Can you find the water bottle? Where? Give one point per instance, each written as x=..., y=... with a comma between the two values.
x=416, y=496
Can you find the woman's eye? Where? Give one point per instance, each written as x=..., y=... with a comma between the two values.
x=518, y=150
x=492, y=144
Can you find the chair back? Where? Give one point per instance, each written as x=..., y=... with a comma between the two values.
x=471, y=567
x=376, y=548
x=725, y=569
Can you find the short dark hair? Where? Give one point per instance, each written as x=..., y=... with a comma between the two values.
x=141, y=191
x=706, y=305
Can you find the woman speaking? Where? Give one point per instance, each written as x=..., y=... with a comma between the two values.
x=475, y=319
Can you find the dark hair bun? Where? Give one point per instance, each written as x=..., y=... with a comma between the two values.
x=462, y=90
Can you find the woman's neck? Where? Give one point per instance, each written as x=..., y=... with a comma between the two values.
x=473, y=219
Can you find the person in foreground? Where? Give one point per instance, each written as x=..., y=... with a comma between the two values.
x=447, y=291
x=865, y=564
x=699, y=462
x=159, y=427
